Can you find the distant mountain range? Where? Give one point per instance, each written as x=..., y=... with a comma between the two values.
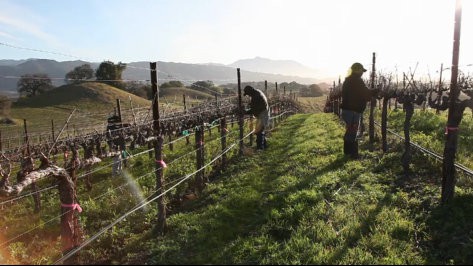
x=257, y=69
x=286, y=67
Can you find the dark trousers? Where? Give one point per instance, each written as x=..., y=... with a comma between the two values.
x=261, y=141
x=350, y=148
x=352, y=121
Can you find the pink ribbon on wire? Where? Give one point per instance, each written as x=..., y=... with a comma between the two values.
x=74, y=206
x=162, y=163
x=447, y=129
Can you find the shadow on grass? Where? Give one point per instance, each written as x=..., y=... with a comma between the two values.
x=363, y=230
x=446, y=231
x=237, y=212
x=450, y=227
x=245, y=210
x=276, y=165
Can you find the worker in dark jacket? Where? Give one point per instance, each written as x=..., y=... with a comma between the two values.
x=355, y=95
x=260, y=109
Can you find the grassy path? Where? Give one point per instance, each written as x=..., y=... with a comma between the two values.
x=299, y=202
x=302, y=202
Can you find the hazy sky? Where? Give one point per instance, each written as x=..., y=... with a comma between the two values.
x=328, y=35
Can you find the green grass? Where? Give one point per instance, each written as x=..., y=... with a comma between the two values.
x=303, y=202
x=299, y=202
x=428, y=130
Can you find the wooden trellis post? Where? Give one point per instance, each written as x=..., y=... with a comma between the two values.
x=36, y=195
x=407, y=102
x=223, y=140
x=266, y=88
x=119, y=109
x=199, y=179
x=158, y=156
x=454, y=116
x=52, y=130
x=240, y=113
x=372, y=105
x=386, y=100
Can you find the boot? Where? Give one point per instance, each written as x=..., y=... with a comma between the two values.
x=263, y=140
x=265, y=144
x=354, y=151
x=259, y=141
x=346, y=147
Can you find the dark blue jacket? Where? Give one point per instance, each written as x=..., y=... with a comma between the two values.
x=355, y=94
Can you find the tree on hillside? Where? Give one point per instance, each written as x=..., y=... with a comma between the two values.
x=111, y=73
x=35, y=84
x=172, y=84
x=313, y=90
x=139, y=89
x=5, y=106
x=80, y=73
x=206, y=86
x=229, y=91
x=291, y=86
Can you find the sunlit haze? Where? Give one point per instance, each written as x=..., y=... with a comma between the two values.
x=325, y=35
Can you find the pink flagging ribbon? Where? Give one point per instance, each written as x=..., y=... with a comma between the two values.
x=225, y=130
x=74, y=206
x=162, y=163
x=447, y=129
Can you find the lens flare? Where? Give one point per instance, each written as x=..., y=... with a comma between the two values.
x=135, y=188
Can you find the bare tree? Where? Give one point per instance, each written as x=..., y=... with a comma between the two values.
x=31, y=85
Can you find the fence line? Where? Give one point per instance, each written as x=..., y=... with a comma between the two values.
x=145, y=203
x=102, y=195
x=143, y=152
x=99, y=168
x=430, y=153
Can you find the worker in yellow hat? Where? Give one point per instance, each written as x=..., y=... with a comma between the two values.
x=355, y=95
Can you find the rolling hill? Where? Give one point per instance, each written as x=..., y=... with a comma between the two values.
x=93, y=94
x=172, y=93
x=93, y=102
x=265, y=65
x=12, y=70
